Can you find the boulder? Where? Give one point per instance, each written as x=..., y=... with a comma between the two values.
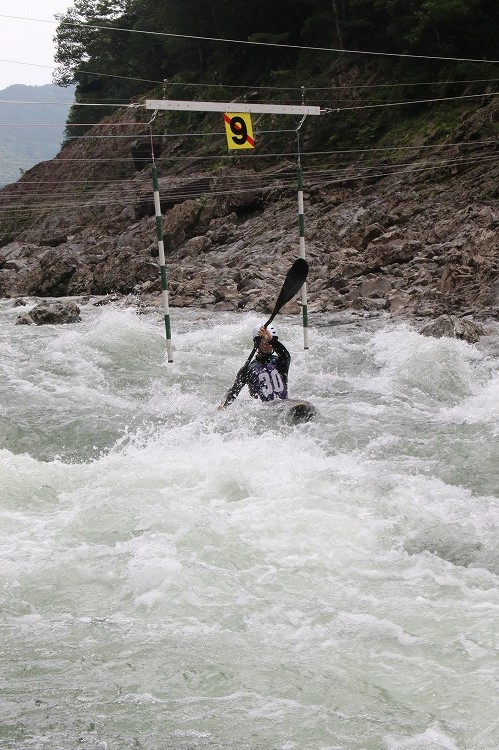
x=54, y=312
x=377, y=287
x=454, y=327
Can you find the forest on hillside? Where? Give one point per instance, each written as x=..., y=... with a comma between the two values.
x=115, y=50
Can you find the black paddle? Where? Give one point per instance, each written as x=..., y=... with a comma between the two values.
x=293, y=282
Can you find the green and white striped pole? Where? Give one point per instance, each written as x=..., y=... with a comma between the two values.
x=162, y=263
x=301, y=223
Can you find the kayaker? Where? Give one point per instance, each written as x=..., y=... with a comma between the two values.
x=267, y=374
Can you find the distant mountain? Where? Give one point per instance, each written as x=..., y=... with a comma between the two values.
x=31, y=132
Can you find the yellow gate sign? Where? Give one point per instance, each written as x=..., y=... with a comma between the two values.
x=239, y=130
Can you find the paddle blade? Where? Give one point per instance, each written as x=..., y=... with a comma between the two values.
x=297, y=275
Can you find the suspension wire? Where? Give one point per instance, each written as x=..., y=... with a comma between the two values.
x=168, y=135
x=189, y=187
x=263, y=88
x=74, y=200
x=382, y=149
x=249, y=42
x=316, y=178
x=20, y=210
x=326, y=110
x=222, y=157
x=416, y=101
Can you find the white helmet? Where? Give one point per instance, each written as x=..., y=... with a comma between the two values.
x=270, y=328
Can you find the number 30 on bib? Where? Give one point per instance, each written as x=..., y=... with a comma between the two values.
x=239, y=130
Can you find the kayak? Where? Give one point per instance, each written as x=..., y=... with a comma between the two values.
x=296, y=411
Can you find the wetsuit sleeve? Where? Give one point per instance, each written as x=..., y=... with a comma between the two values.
x=239, y=383
x=283, y=356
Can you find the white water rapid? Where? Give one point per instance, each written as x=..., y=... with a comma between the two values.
x=176, y=577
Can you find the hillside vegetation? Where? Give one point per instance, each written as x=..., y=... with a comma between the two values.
x=109, y=61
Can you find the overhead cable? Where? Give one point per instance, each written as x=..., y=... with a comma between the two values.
x=249, y=42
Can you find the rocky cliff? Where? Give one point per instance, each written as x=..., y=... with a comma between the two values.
x=416, y=233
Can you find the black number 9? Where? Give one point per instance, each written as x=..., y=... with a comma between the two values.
x=238, y=127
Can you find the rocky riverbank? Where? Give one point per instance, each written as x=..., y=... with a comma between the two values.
x=416, y=237
x=67, y=310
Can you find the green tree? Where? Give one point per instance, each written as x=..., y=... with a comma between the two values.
x=92, y=54
x=453, y=27
x=76, y=41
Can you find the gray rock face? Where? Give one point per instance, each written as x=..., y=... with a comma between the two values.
x=421, y=242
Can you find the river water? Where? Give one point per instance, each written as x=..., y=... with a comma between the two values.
x=173, y=576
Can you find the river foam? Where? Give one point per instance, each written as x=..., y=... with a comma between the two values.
x=177, y=576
